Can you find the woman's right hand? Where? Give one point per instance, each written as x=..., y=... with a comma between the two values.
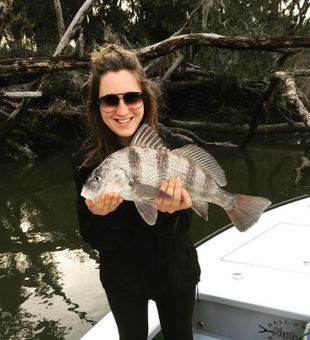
x=105, y=204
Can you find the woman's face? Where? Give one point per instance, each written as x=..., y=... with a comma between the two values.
x=123, y=120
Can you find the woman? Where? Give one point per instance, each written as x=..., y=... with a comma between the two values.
x=137, y=262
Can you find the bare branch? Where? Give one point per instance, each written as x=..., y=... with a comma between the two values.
x=173, y=68
x=74, y=26
x=21, y=94
x=189, y=19
x=198, y=140
x=236, y=129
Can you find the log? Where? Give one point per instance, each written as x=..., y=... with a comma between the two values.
x=290, y=101
x=10, y=67
x=16, y=115
x=236, y=129
x=164, y=47
x=21, y=94
x=198, y=140
x=259, y=43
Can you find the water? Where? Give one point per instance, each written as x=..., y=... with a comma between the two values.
x=49, y=283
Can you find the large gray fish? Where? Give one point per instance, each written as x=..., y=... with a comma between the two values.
x=137, y=171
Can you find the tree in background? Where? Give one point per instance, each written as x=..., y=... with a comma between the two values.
x=213, y=83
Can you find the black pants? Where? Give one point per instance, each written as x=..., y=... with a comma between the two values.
x=130, y=313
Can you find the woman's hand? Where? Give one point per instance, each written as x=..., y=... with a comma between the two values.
x=105, y=204
x=179, y=200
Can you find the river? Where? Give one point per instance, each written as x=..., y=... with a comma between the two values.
x=49, y=284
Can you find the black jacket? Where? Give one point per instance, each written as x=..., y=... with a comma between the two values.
x=133, y=255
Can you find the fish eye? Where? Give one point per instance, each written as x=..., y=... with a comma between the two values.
x=97, y=178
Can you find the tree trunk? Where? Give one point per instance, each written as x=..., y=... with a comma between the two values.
x=60, y=19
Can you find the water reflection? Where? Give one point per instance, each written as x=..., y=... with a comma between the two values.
x=43, y=262
x=49, y=285
x=268, y=171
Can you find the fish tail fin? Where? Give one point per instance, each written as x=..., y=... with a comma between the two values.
x=246, y=210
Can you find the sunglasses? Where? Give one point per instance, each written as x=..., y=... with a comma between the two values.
x=110, y=102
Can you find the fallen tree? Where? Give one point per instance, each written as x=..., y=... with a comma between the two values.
x=63, y=63
x=15, y=117
x=258, y=43
x=275, y=94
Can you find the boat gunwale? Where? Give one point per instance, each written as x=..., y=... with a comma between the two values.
x=230, y=225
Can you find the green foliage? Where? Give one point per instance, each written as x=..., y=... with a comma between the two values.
x=31, y=25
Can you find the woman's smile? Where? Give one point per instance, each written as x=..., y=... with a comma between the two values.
x=123, y=121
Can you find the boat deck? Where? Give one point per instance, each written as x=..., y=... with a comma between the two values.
x=265, y=269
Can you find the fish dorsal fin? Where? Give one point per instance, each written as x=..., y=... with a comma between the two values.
x=204, y=160
x=146, y=136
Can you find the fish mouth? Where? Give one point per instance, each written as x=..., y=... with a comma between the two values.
x=86, y=193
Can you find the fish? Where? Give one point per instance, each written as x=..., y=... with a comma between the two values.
x=137, y=171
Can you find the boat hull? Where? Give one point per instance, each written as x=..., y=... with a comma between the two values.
x=221, y=321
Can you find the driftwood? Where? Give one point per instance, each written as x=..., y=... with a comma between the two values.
x=259, y=43
x=192, y=136
x=36, y=66
x=21, y=94
x=237, y=129
x=282, y=86
x=16, y=115
x=290, y=100
x=282, y=97
x=164, y=47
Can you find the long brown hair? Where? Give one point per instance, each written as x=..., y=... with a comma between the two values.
x=113, y=58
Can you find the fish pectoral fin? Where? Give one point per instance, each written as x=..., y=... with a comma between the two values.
x=148, y=211
x=201, y=208
x=147, y=192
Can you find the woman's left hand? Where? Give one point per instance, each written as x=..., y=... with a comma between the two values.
x=179, y=200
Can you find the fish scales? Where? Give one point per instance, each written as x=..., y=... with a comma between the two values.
x=136, y=173
x=134, y=163
x=166, y=165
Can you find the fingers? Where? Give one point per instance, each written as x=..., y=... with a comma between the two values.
x=186, y=200
x=105, y=204
x=180, y=198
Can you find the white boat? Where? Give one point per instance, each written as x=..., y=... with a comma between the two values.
x=254, y=285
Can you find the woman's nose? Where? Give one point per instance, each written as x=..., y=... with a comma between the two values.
x=122, y=107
